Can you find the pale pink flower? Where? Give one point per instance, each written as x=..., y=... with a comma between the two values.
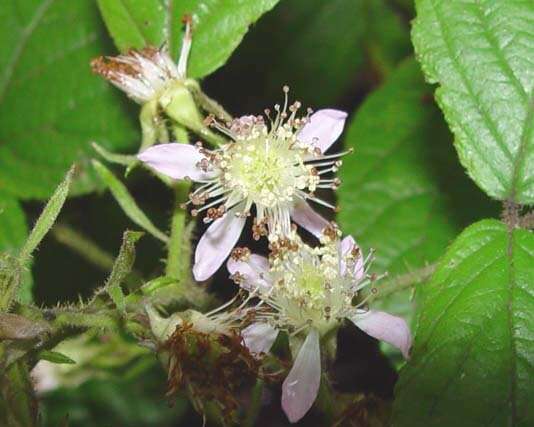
x=276, y=168
x=310, y=292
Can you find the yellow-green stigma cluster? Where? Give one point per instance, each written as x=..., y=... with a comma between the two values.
x=314, y=287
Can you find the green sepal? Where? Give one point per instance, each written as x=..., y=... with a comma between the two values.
x=55, y=357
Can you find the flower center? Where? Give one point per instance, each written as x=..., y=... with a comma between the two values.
x=311, y=281
x=265, y=169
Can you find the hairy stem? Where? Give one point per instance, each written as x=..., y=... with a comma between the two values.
x=178, y=264
x=404, y=281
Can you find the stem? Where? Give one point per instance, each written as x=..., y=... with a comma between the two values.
x=404, y=281
x=255, y=404
x=178, y=264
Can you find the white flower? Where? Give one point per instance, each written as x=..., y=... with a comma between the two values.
x=276, y=168
x=145, y=74
x=310, y=291
x=142, y=75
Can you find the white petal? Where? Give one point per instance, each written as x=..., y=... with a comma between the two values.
x=177, y=161
x=216, y=244
x=306, y=217
x=348, y=244
x=301, y=386
x=254, y=272
x=323, y=129
x=259, y=337
x=45, y=376
x=386, y=327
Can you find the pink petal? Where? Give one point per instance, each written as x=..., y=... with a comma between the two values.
x=323, y=129
x=254, y=272
x=216, y=244
x=301, y=386
x=177, y=161
x=306, y=217
x=383, y=326
x=259, y=337
x=348, y=244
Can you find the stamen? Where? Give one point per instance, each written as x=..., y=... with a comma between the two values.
x=330, y=156
x=186, y=46
x=319, y=201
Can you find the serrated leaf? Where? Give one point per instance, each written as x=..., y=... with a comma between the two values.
x=126, y=201
x=55, y=357
x=51, y=106
x=472, y=361
x=481, y=55
x=219, y=26
x=401, y=188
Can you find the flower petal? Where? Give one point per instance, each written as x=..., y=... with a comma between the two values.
x=216, y=244
x=254, y=272
x=301, y=386
x=323, y=129
x=177, y=161
x=348, y=244
x=306, y=217
x=259, y=337
x=386, y=327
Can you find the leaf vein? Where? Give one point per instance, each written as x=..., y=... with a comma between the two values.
x=454, y=59
x=19, y=48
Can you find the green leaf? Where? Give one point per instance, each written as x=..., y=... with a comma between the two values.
x=51, y=106
x=47, y=218
x=126, y=201
x=13, y=227
x=472, y=361
x=122, y=267
x=402, y=192
x=219, y=26
x=135, y=23
x=480, y=53
x=55, y=357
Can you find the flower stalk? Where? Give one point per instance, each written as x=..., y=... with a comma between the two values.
x=178, y=264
